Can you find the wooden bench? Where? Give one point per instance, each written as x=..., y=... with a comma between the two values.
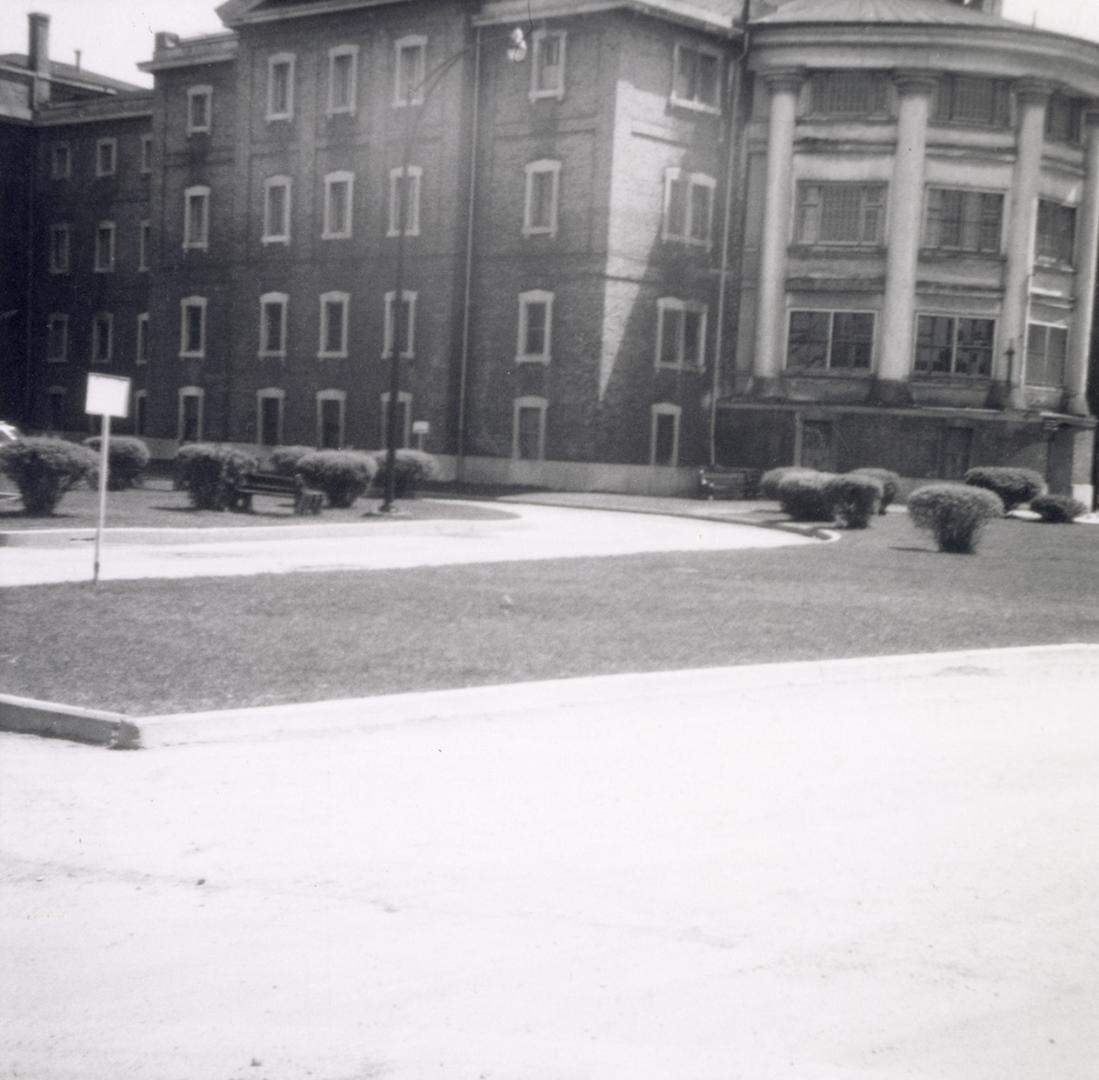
x=306, y=501
x=727, y=482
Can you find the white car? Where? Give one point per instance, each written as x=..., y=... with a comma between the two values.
x=9, y=433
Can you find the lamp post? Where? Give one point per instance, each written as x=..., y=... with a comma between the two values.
x=418, y=97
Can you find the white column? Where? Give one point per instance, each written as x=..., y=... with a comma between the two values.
x=1031, y=98
x=914, y=90
x=1087, y=250
x=777, y=212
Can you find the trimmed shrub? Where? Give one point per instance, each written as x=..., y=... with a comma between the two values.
x=1014, y=486
x=127, y=459
x=854, y=498
x=43, y=469
x=890, y=483
x=802, y=495
x=208, y=472
x=343, y=475
x=955, y=514
x=284, y=459
x=1057, y=509
x=412, y=468
x=770, y=480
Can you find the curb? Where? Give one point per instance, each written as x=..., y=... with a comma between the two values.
x=26, y=716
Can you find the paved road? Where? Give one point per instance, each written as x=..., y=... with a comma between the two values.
x=536, y=532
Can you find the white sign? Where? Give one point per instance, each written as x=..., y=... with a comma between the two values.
x=108, y=395
x=421, y=427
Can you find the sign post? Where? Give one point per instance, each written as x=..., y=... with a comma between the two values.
x=108, y=395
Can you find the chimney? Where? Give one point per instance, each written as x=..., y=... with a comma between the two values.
x=38, y=55
x=163, y=39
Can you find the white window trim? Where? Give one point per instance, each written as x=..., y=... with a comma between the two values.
x=146, y=154
x=208, y=93
x=61, y=148
x=185, y=305
x=203, y=242
x=283, y=300
x=671, y=175
x=691, y=103
x=270, y=393
x=98, y=266
x=141, y=356
x=410, y=297
x=558, y=91
x=98, y=319
x=333, y=178
x=543, y=166
x=1047, y=326
x=345, y=300
x=353, y=89
x=670, y=303
x=408, y=42
x=63, y=320
x=140, y=411
x=61, y=229
x=412, y=209
x=404, y=397
x=290, y=60
x=529, y=402
x=144, y=239
x=664, y=408
x=526, y=301
x=331, y=395
x=100, y=144
x=270, y=237
x=199, y=394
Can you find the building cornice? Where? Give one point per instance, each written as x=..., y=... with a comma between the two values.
x=233, y=18
x=519, y=12
x=193, y=52
x=67, y=119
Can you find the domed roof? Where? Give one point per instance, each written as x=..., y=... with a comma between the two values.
x=904, y=12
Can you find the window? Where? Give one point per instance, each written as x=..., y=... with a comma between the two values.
x=409, y=66
x=850, y=214
x=680, y=333
x=141, y=412
x=963, y=99
x=104, y=247
x=57, y=338
x=102, y=337
x=338, y=191
x=540, y=203
x=334, y=310
x=404, y=418
x=60, y=161
x=547, y=67
x=847, y=93
x=144, y=243
x=269, y=411
x=146, y=153
x=280, y=86
x=343, y=62
x=404, y=194
x=946, y=345
x=1056, y=232
x=331, y=415
x=529, y=429
x=1062, y=119
x=664, y=434
x=963, y=220
x=273, y=308
x=1046, y=352
x=55, y=407
x=688, y=206
x=192, y=326
x=141, y=351
x=696, y=80
x=830, y=340
x=535, y=327
x=276, y=210
x=59, y=249
x=407, y=328
x=196, y=218
x=106, y=157
x=189, y=420
x=199, y=109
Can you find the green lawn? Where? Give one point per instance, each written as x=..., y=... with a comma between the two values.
x=151, y=646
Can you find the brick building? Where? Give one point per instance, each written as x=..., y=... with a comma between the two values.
x=652, y=238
